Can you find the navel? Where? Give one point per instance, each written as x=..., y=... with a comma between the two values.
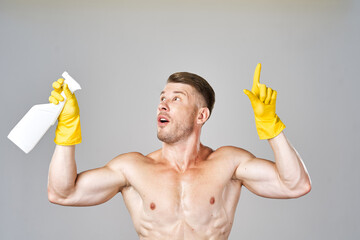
x=152, y=206
x=212, y=200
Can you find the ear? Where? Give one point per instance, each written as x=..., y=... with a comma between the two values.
x=203, y=115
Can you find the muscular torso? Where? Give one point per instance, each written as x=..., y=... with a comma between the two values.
x=198, y=203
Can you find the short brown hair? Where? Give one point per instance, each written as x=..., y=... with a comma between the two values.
x=199, y=83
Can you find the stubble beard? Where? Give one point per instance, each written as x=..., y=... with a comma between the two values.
x=180, y=131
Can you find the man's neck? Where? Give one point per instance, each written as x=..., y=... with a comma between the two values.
x=183, y=154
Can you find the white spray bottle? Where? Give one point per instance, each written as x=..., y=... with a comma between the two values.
x=32, y=127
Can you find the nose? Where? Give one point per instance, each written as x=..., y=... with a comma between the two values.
x=163, y=107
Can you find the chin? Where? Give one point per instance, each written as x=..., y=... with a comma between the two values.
x=166, y=138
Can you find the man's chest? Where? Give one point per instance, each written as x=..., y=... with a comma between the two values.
x=165, y=194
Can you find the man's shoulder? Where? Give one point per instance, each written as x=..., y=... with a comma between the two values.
x=229, y=149
x=232, y=152
x=129, y=156
x=137, y=157
x=154, y=155
x=127, y=159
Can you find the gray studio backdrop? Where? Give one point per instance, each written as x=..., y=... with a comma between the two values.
x=121, y=52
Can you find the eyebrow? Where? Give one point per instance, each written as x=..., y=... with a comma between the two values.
x=179, y=92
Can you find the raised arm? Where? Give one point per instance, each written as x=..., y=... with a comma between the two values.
x=92, y=187
x=287, y=177
x=65, y=186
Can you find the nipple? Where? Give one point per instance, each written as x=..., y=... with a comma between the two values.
x=152, y=206
x=212, y=200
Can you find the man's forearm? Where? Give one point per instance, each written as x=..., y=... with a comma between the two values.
x=62, y=172
x=291, y=168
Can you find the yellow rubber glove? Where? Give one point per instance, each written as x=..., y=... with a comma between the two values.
x=68, y=131
x=263, y=101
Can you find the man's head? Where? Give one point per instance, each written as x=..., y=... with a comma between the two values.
x=185, y=104
x=203, y=88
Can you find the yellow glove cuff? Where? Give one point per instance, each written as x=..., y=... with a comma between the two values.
x=269, y=128
x=68, y=132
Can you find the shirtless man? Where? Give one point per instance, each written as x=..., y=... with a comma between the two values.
x=184, y=190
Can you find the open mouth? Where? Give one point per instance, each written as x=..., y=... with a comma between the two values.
x=162, y=121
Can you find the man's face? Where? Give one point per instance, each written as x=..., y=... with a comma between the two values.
x=176, y=113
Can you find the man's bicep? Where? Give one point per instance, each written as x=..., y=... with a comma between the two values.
x=98, y=185
x=260, y=176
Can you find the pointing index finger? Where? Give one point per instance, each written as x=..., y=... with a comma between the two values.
x=257, y=75
x=255, y=87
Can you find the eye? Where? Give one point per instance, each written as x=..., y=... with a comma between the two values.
x=162, y=99
x=177, y=99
